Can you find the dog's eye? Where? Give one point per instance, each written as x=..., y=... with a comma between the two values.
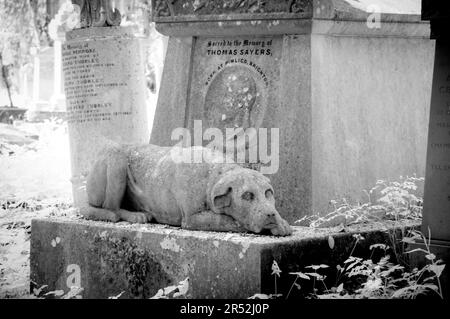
x=248, y=196
x=269, y=193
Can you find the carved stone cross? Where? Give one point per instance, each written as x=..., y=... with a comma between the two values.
x=98, y=13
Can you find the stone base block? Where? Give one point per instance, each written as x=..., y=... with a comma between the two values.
x=106, y=259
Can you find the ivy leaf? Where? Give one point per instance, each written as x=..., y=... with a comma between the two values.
x=340, y=288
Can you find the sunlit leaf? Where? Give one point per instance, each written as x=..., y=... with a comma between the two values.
x=316, y=275
x=169, y=289
x=300, y=274
x=56, y=293
x=183, y=287
x=275, y=269
x=382, y=246
x=437, y=269
x=259, y=296
x=118, y=296
x=408, y=240
x=430, y=256
x=331, y=242
x=159, y=295
x=314, y=267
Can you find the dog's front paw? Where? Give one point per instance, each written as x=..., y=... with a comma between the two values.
x=136, y=218
x=283, y=228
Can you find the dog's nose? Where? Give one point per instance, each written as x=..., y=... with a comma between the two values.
x=271, y=214
x=270, y=217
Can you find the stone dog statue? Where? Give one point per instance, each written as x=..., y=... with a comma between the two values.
x=143, y=183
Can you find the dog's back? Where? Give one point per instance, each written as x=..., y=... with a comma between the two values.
x=174, y=181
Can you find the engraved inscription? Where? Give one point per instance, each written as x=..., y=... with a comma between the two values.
x=235, y=88
x=439, y=141
x=85, y=85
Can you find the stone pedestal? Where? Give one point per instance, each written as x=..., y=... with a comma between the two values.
x=436, y=210
x=105, y=95
x=106, y=259
x=350, y=97
x=436, y=205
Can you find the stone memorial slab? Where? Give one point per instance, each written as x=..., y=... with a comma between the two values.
x=321, y=72
x=437, y=181
x=436, y=202
x=105, y=92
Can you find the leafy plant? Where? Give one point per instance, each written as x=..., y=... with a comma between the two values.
x=399, y=198
x=276, y=271
x=359, y=278
x=386, y=201
x=174, y=291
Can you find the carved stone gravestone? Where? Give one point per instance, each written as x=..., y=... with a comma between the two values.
x=437, y=182
x=105, y=89
x=342, y=98
x=436, y=206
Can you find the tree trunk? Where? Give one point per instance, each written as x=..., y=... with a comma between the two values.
x=5, y=79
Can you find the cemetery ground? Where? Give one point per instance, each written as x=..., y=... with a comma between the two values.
x=35, y=182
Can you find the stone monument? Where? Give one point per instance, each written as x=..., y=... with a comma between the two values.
x=105, y=88
x=436, y=205
x=346, y=83
x=334, y=87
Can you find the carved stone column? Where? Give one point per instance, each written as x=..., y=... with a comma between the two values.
x=105, y=88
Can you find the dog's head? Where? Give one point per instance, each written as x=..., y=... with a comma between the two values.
x=247, y=196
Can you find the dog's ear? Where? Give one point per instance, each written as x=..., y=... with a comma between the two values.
x=221, y=197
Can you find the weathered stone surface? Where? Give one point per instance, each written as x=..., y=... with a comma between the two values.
x=436, y=206
x=436, y=211
x=140, y=259
x=334, y=87
x=105, y=91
